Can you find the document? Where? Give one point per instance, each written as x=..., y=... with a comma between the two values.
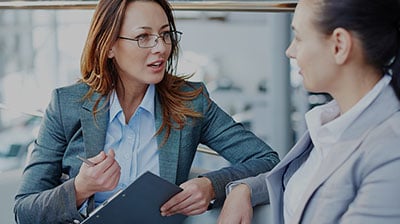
x=139, y=203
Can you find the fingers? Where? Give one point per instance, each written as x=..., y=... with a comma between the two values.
x=103, y=176
x=98, y=158
x=190, y=208
x=184, y=203
x=107, y=172
x=193, y=200
x=173, y=204
x=111, y=153
x=102, y=160
x=112, y=173
x=194, y=203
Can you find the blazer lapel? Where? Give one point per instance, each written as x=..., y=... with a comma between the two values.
x=169, y=149
x=383, y=106
x=276, y=177
x=339, y=154
x=296, y=151
x=94, y=129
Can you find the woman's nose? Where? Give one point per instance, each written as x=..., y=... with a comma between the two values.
x=290, y=51
x=160, y=46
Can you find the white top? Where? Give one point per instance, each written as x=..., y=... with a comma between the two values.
x=325, y=125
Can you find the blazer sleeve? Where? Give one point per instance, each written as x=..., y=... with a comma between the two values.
x=45, y=195
x=248, y=154
x=258, y=188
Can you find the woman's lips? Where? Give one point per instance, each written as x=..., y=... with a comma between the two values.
x=157, y=66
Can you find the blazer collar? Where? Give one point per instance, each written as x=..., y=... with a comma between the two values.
x=295, y=152
x=276, y=177
x=380, y=109
x=94, y=129
x=169, y=149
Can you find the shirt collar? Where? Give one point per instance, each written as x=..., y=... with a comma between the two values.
x=324, y=122
x=148, y=100
x=146, y=104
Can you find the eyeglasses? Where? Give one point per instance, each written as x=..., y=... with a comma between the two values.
x=151, y=40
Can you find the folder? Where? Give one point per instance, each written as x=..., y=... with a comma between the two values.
x=139, y=203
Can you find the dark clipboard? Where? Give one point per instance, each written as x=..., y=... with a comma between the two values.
x=139, y=203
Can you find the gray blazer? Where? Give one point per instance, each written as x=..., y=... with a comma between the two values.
x=359, y=184
x=46, y=193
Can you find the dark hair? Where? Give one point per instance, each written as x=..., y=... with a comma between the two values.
x=375, y=22
x=99, y=71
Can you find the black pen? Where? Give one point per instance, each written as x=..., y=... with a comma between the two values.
x=89, y=163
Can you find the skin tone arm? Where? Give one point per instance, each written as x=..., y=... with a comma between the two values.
x=237, y=208
x=103, y=176
x=193, y=200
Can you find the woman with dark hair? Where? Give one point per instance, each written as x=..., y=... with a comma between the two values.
x=129, y=114
x=345, y=168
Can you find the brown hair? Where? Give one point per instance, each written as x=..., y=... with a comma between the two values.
x=100, y=73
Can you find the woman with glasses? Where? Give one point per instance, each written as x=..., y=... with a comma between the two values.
x=129, y=114
x=345, y=168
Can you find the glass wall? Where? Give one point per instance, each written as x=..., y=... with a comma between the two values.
x=236, y=49
x=234, y=52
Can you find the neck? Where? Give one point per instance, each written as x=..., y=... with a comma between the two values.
x=354, y=84
x=130, y=98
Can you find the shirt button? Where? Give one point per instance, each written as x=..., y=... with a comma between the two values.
x=76, y=221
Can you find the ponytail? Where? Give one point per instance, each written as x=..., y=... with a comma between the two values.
x=394, y=68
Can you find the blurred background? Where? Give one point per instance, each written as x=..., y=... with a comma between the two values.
x=236, y=50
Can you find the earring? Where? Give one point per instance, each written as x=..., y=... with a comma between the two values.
x=110, y=53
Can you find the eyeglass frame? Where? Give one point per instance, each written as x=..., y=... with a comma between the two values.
x=176, y=33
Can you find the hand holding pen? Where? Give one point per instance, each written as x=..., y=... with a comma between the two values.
x=86, y=161
x=98, y=173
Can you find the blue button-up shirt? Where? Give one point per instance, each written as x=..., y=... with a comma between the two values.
x=134, y=143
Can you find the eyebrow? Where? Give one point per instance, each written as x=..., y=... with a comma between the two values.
x=149, y=28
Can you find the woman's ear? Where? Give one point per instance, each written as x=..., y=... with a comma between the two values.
x=342, y=44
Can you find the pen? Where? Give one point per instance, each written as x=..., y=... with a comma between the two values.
x=89, y=163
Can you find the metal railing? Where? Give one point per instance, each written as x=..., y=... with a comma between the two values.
x=246, y=6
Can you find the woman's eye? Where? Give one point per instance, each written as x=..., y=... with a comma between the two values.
x=143, y=37
x=165, y=34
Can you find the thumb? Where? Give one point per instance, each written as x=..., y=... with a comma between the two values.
x=111, y=153
x=98, y=158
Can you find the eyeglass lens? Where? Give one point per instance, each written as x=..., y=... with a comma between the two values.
x=152, y=40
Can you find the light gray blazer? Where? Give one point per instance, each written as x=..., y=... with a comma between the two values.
x=46, y=193
x=359, y=184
